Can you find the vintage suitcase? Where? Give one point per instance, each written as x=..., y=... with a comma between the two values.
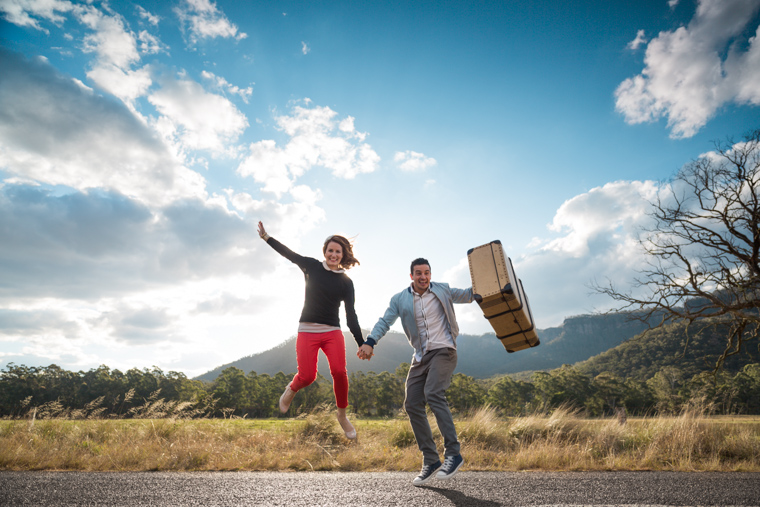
x=501, y=297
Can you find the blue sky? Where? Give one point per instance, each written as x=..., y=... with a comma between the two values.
x=141, y=144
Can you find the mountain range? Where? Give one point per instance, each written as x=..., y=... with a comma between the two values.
x=577, y=339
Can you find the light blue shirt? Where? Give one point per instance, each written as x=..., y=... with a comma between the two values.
x=402, y=306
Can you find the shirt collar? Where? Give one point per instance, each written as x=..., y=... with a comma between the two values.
x=415, y=293
x=324, y=265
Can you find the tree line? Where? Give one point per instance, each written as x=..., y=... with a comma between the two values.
x=252, y=395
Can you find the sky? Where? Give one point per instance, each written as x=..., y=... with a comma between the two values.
x=141, y=143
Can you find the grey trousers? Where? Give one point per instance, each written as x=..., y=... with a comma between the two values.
x=427, y=382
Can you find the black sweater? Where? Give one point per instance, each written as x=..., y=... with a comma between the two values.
x=324, y=291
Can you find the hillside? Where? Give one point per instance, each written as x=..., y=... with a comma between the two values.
x=644, y=355
x=577, y=339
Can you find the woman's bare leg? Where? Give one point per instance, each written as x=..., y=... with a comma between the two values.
x=348, y=428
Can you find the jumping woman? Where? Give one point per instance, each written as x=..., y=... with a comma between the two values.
x=319, y=326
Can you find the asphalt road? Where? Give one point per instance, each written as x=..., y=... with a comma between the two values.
x=378, y=489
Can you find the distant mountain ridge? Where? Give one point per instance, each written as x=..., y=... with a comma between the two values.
x=645, y=354
x=577, y=339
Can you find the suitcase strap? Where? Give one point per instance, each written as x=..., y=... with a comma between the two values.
x=508, y=290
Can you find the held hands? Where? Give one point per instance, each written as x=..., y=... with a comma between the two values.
x=365, y=352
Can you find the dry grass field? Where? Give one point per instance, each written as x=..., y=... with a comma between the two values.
x=557, y=442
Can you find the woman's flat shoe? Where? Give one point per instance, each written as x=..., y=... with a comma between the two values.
x=285, y=405
x=350, y=434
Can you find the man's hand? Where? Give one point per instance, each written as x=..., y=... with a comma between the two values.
x=365, y=352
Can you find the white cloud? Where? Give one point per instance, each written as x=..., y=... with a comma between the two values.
x=638, y=41
x=140, y=324
x=114, y=46
x=54, y=131
x=316, y=139
x=222, y=84
x=204, y=21
x=110, y=40
x=103, y=244
x=692, y=71
x=603, y=212
x=598, y=241
x=98, y=277
x=412, y=161
x=294, y=218
x=116, y=50
x=149, y=43
x=31, y=322
x=127, y=85
x=200, y=120
x=305, y=49
x=109, y=246
x=23, y=12
x=148, y=16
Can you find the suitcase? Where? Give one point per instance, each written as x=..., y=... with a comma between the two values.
x=501, y=297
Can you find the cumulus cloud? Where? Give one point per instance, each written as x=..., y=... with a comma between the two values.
x=54, y=131
x=412, y=161
x=316, y=139
x=305, y=49
x=140, y=324
x=110, y=39
x=199, y=119
x=79, y=268
x=203, y=20
x=33, y=322
x=694, y=70
x=116, y=53
x=108, y=242
x=604, y=213
x=97, y=245
x=114, y=46
x=595, y=239
x=24, y=12
x=128, y=85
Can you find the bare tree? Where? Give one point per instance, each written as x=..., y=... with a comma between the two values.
x=703, y=247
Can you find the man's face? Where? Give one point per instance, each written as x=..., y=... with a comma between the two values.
x=421, y=278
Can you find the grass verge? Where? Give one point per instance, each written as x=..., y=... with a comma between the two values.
x=561, y=441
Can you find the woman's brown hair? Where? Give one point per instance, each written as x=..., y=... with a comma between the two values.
x=348, y=260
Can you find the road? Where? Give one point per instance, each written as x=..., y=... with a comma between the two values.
x=333, y=489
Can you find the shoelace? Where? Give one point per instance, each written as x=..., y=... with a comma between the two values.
x=448, y=463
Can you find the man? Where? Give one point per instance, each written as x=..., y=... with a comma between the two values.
x=427, y=316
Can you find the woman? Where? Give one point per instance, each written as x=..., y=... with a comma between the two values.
x=319, y=326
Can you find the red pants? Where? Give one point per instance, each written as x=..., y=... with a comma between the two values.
x=307, y=352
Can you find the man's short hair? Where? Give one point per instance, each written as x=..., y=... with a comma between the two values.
x=418, y=262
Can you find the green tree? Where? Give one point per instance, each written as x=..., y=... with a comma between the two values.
x=510, y=396
x=562, y=386
x=608, y=393
x=747, y=387
x=666, y=386
x=638, y=398
x=464, y=393
x=230, y=389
